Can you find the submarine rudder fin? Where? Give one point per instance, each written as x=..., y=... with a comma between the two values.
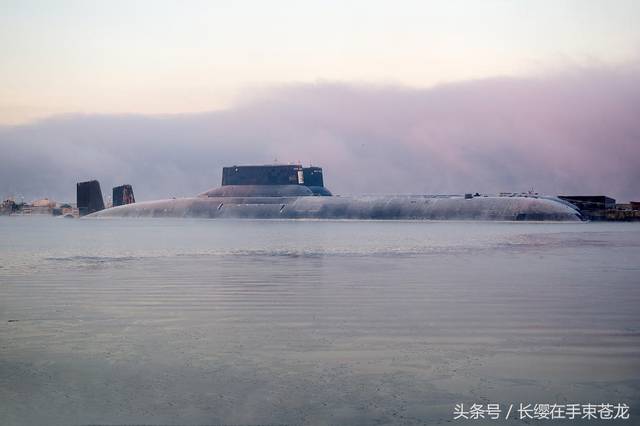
x=89, y=197
x=123, y=195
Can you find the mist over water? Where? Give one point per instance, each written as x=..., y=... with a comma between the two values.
x=573, y=131
x=311, y=322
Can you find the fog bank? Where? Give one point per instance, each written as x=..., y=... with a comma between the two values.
x=575, y=131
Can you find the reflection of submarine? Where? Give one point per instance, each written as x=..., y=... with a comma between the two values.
x=294, y=192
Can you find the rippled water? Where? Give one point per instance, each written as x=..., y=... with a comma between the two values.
x=311, y=322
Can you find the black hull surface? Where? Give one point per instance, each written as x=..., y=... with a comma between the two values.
x=358, y=207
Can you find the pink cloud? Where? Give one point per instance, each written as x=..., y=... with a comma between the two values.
x=571, y=132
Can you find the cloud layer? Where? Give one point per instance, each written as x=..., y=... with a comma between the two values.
x=572, y=132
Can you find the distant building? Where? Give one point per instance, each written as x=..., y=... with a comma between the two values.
x=8, y=207
x=45, y=202
x=43, y=206
x=68, y=209
x=590, y=202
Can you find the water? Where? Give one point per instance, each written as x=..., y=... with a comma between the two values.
x=311, y=322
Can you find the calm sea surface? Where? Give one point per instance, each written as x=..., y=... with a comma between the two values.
x=312, y=322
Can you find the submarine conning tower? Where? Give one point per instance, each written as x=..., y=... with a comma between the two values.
x=270, y=181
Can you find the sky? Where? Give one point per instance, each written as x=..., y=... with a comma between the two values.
x=160, y=56
x=414, y=97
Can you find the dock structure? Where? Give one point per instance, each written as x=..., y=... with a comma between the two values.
x=602, y=208
x=590, y=202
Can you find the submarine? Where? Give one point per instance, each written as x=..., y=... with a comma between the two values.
x=297, y=192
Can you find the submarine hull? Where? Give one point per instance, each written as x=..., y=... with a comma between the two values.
x=357, y=207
